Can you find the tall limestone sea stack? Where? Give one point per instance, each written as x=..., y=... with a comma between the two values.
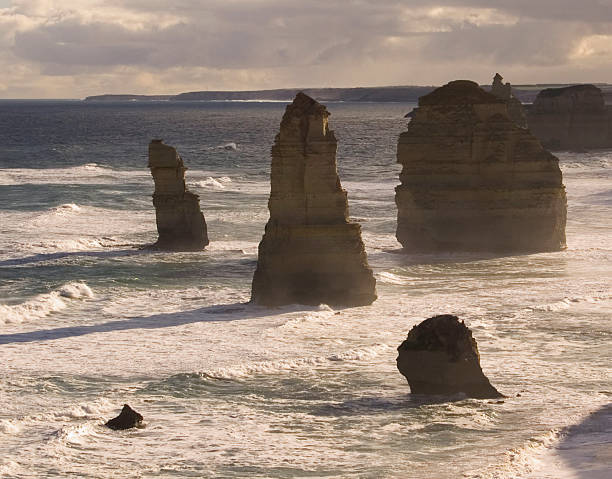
x=472, y=180
x=573, y=118
x=515, y=107
x=310, y=252
x=180, y=223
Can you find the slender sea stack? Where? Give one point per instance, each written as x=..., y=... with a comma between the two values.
x=310, y=253
x=472, y=180
x=440, y=356
x=515, y=107
x=180, y=223
x=571, y=118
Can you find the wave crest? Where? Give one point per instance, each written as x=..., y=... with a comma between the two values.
x=44, y=304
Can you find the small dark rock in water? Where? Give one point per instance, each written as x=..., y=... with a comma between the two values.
x=128, y=418
x=441, y=357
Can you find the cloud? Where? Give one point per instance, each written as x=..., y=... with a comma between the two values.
x=85, y=47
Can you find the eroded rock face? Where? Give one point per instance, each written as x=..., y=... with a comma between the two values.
x=515, y=107
x=310, y=252
x=472, y=180
x=571, y=118
x=180, y=223
x=127, y=419
x=440, y=356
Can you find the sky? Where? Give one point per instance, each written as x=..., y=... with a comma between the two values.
x=75, y=48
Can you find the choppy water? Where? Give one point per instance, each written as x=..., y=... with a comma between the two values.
x=89, y=322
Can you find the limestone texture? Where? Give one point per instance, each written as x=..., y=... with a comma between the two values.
x=180, y=223
x=440, y=356
x=571, y=118
x=473, y=180
x=310, y=252
x=515, y=107
x=127, y=419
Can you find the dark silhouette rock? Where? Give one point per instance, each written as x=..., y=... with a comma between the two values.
x=440, y=356
x=473, y=180
x=180, y=223
x=310, y=252
x=515, y=107
x=571, y=118
x=127, y=419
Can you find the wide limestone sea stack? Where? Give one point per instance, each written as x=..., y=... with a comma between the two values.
x=440, y=356
x=572, y=118
x=310, y=252
x=180, y=223
x=473, y=180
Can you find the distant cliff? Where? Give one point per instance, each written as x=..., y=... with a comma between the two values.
x=524, y=93
x=128, y=98
x=374, y=94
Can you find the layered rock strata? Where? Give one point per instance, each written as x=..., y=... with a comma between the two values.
x=572, y=118
x=472, y=180
x=515, y=107
x=180, y=223
x=310, y=252
x=440, y=356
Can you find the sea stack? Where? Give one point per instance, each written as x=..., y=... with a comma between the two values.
x=440, y=356
x=515, y=107
x=127, y=419
x=310, y=252
x=180, y=223
x=571, y=118
x=472, y=180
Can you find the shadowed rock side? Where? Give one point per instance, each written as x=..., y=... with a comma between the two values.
x=515, y=107
x=127, y=419
x=571, y=118
x=180, y=223
x=472, y=180
x=310, y=252
x=440, y=356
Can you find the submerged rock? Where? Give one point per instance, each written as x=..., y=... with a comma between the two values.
x=127, y=419
x=515, y=107
x=440, y=356
x=573, y=118
x=472, y=180
x=180, y=223
x=310, y=252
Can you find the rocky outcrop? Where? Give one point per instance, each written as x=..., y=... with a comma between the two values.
x=472, y=180
x=571, y=118
x=127, y=419
x=310, y=252
x=515, y=107
x=180, y=223
x=440, y=356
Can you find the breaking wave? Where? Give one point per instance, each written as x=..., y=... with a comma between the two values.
x=44, y=304
x=283, y=365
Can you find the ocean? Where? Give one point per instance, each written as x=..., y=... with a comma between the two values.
x=90, y=321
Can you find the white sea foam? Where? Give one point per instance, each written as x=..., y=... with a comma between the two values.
x=390, y=278
x=519, y=462
x=44, y=304
x=209, y=182
x=567, y=302
x=231, y=146
x=88, y=173
x=283, y=365
x=10, y=426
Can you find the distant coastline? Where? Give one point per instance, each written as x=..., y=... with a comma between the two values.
x=525, y=93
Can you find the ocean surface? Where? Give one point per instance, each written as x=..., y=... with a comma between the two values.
x=89, y=321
